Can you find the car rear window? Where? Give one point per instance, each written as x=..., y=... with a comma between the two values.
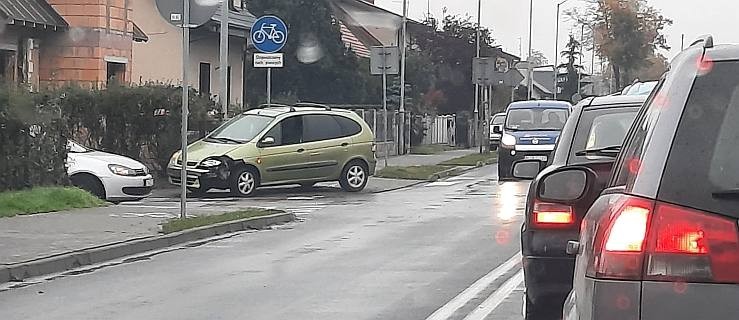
x=705, y=156
x=600, y=128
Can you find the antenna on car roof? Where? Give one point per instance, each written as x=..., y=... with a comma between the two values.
x=707, y=41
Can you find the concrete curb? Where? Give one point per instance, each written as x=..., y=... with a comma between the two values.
x=452, y=172
x=62, y=262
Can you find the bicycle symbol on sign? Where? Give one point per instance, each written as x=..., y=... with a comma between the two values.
x=269, y=32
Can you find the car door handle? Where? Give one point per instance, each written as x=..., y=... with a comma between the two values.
x=301, y=150
x=345, y=144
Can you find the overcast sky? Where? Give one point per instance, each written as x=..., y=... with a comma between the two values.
x=509, y=20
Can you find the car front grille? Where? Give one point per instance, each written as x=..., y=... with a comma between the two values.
x=189, y=163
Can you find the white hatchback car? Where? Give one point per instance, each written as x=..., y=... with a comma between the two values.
x=109, y=176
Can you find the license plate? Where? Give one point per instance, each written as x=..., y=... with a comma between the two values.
x=148, y=182
x=540, y=158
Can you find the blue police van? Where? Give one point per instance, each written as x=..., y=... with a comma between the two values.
x=530, y=132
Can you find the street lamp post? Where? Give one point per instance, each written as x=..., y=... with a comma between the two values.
x=556, y=50
x=403, y=53
x=530, y=72
x=477, y=86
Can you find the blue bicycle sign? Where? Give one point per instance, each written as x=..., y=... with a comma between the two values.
x=269, y=34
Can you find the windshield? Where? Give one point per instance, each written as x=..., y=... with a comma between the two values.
x=537, y=119
x=241, y=129
x=75, y=147
x=498, y=120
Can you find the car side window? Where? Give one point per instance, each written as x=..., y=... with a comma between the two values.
x=288, y=131
x=348, y=126
x=630, y=159
x=318, y=127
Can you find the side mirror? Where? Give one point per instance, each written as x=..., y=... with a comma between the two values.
x=497, y=129
x=568, y=185
x=527, y=169
x=267, y=141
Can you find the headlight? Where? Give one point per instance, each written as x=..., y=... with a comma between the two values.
x=121, y=170
x=211, y=163
x=175, y=158
x=508, y=140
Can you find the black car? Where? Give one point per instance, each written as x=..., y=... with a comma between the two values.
x=592, y=137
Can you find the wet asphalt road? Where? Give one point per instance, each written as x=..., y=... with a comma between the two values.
x=444, y=250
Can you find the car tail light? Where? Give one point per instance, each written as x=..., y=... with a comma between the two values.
x=692, y=246
x=552, y=214
x=644, y=240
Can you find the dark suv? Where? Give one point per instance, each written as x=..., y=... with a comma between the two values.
x=591, y=137
x=661, y=241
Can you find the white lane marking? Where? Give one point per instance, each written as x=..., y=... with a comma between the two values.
x=148, y=207
x=472, y=291
x=493, y=301
x=442, y=183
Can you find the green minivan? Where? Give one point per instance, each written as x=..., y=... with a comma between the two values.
x=278, y=145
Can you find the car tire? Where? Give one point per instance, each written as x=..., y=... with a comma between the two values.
x=354, y=176
x=89, y=183
x=244, y=181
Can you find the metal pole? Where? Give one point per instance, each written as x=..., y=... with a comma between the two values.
x=384, y=108
x=477, y=86
x=579, y=73
x=269, y=86
x=185, y=107
x=530, y=72
x=403, y=54
x=223, y=59
x=556, y=52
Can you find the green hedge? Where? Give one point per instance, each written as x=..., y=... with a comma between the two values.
x=140, y=122
x=32, y=147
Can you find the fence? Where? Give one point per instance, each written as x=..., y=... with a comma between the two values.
x=440, y=129
x=396, y=140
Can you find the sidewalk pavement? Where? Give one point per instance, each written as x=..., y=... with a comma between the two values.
x=421, y=159
x=34, y=237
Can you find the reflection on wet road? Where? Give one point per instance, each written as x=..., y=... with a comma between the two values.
x=403, y=254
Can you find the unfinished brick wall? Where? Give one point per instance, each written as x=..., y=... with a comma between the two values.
x=100, y=32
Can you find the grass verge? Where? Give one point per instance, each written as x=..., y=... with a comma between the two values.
x=427, y=149
x=175, y=225
x=45, y=199
x=472, y=159
x=411, y=172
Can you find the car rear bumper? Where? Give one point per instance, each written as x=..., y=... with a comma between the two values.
x=548, y=277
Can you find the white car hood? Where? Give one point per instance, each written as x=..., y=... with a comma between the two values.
x=107, y=158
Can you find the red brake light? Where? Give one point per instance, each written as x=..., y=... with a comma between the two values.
x=552, y=214
x=692, y=246
x=664, y=242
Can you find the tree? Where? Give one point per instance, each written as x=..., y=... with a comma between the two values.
x=538, y=59
x=318, y=67
x=571, y=55
x=627, y=33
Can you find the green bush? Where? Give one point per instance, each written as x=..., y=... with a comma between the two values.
x=32, y=144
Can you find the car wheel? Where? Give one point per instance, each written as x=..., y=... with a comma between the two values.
x=89, y=183
x=244, y=181
x=354, y=176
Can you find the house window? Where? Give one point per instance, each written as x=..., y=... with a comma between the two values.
x=116, y=72
x=204, y=84
x=7, y=66
x=236, y=5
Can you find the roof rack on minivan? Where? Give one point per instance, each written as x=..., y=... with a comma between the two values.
x=707, y=41
x=313, y=105
x=275, y=105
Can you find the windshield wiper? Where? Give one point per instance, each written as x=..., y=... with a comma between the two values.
x=611, y=151
x=726, y=194
x=225, y=139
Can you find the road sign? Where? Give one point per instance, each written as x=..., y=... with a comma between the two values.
x=501, y=65
x=385, y=59
x=512, y=78
x=200, y=11
x=269, y=60
x=269, y=34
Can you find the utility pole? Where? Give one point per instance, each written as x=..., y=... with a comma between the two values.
x=404, y=41
x=185, y=107
x=556, y=51
x=477, y=86
x=579, y=73
x=223, y=58
x=530, y=71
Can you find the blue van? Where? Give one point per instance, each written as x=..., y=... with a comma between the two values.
x=530, y=132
